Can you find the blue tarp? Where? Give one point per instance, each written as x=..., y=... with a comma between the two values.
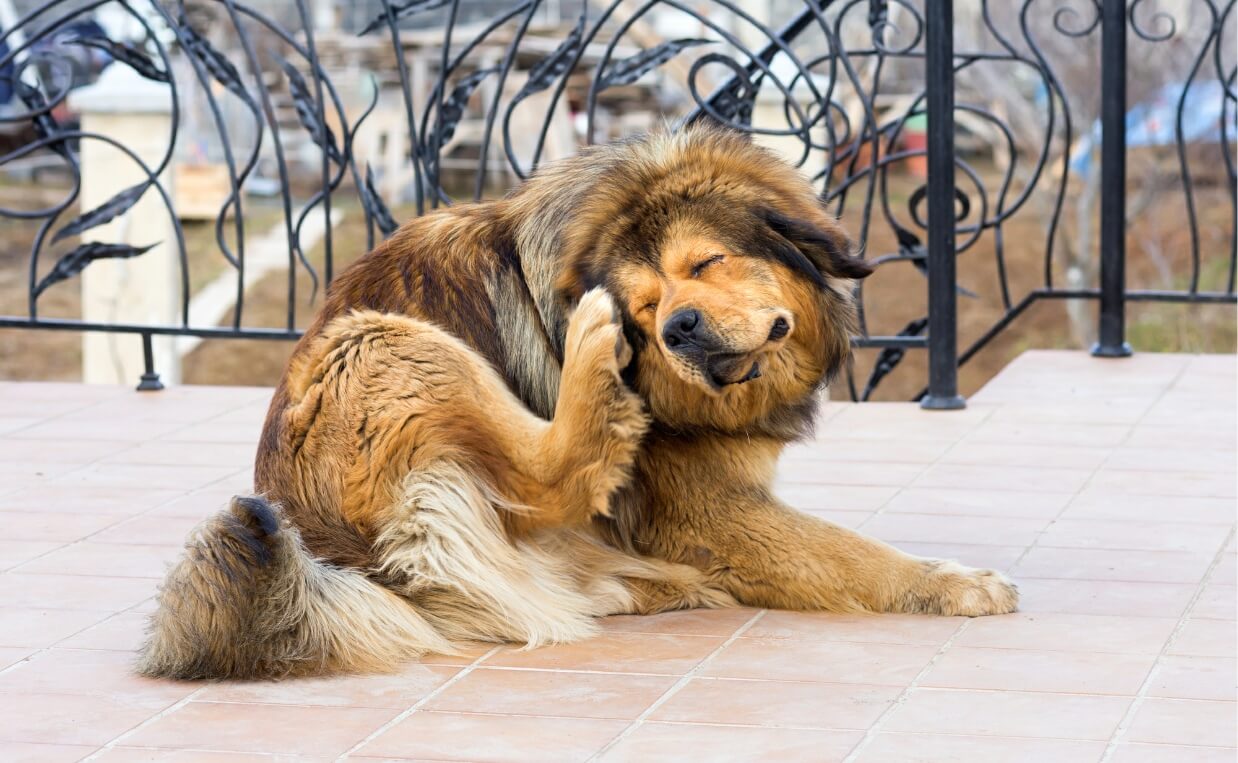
x=1154, y=122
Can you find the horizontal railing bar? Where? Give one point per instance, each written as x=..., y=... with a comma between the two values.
x=904, y=342
x=55, y=324
x=869, y=342
x=1142, y=295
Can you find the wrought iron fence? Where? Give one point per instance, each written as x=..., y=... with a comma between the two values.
x=1020, y=99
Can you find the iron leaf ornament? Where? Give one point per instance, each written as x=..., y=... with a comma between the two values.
x=545, y=72
x=374, y=202
x=105, y=212
x=127, y=53
x=625, y=71
x=453, y=108
x=400, y=11
x=76, y=261
x=216, y=63
x=307, y=112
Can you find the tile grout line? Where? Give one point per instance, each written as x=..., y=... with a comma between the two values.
x=418, y=704
x=875, y=728
x=148, y=721
x=121, y=519
x=1092, y=475
x=1129, y=717
x=682, y=682
x=881, y=510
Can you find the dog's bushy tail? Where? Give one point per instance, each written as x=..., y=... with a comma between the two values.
x=248, y=601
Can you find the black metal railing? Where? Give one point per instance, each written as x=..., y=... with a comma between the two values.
x=1021, y=99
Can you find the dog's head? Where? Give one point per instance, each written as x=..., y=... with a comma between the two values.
x=735, y=284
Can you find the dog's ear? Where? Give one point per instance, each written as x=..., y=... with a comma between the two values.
x=814, y=251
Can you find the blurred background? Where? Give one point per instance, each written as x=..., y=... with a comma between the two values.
x=210, y=164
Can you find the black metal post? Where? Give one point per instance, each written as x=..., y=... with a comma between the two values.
x=1112, y=339
x=943, y=387
x=150, y=380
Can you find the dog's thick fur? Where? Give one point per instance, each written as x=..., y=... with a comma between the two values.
x=492, y=430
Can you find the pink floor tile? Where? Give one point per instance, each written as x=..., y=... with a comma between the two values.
x=96, y=673
x=1024, y=478
x=1206, y=638
x=150, y=530
x=842, y=497
x=122, y=754
x=1000, y=558
x=66, y=498
x=34, y=627
x=98, y=594
x=11, y=655
x=1028, y=670
x=616, y=653
x=972, y=502
x=691, y=622
x=105, y=559
x=552, y=693
x=979, y=451
x=1150, y=536
x=289, y=729
x=791, y=704
x=954, y=748
x=1169, y=484
x=1182, y=677
x=25, y=752
x=849, y=473
x=119, y=633
x=1112, y=505
x=835, y=662
x=934, y=528
x=52, y=527
x=1112, y=491
x=1185, y=722
x=1217, y=602
x=75, y=719
x=888, y=629
x=1168, y=753
x=499, y=738
x=1009, y=713
x=1113, y=564
x=1103, y=597
x=673, y=742
x=1069, y=633
x=14, y=552
x=398, y=690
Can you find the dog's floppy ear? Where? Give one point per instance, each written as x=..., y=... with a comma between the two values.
x=812, y=251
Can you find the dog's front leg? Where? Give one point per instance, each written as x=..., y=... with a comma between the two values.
x=770, y=555
x=767, y=554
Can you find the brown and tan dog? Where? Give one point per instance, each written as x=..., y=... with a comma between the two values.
x=514, y=416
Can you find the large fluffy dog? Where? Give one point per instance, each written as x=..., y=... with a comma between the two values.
x=514, y=416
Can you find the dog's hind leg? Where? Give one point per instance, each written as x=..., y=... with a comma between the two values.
x=385, y=395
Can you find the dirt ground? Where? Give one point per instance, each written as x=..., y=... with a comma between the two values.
x=892, y=297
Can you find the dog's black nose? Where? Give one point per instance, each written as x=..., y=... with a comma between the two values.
x=682, y=328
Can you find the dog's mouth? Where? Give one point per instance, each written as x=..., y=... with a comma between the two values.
x=725, y=369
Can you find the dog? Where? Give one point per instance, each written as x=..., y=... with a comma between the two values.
x=515, y=416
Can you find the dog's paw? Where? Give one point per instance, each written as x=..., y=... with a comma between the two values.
x=949, y=588
x=595, y=333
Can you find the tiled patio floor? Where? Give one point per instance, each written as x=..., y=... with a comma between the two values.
x=1106, y=488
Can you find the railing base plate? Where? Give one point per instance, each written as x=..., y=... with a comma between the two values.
x=150, y=383
x=948, y=403
x=1109, y=351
